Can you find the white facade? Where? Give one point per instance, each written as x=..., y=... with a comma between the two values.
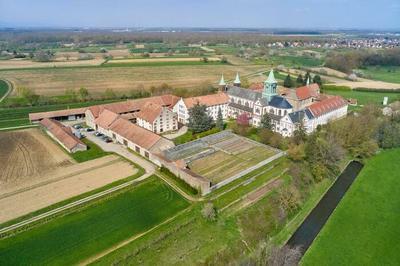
x=164, y=122
x=182, y=111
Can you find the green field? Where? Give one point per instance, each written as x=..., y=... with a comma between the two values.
x=365, y=97
x=70, y=239
x=364, y=229
x=3, y=88
x=93, y=152
x=388, y=73
x=18, y=116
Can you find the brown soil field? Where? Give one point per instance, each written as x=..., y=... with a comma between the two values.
x=123, y=79
x=25, y=155
x=15, y=64
x=62, y=184
x=163, y=59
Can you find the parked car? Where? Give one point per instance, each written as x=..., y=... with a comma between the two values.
x=98, y=134
x=78, y=126
x=107, y=140
x=89, y=129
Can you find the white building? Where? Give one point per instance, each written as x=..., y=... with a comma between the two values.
x=157, y=118
x=214, y=102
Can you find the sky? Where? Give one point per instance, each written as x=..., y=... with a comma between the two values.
x=312, y=14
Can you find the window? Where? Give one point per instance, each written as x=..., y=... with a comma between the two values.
x=137, y=149
x=146, y=154
x=125, y=142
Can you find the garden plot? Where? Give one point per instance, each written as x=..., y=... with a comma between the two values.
x=220, y=156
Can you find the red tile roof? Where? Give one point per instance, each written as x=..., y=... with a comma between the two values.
x=53, y=114
x=306, y=92
x=134, y=133
x=327, y=105
x=208, y=100
x=62, y=133
x=129, y=106
x=257, y=86
x=105, y=118
x=150, y=112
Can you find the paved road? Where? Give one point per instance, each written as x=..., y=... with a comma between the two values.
x=149, y=167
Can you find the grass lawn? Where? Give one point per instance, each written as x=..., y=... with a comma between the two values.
x=365, y=97
x=364, y=229
x=93, y=152
x=70, y=239
x=3, y=88
x=384, y=73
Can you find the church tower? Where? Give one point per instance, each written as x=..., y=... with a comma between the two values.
x=237, y=82
x=222, y=84
x=270, y=86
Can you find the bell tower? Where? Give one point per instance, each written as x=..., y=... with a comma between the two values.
x=270, y=86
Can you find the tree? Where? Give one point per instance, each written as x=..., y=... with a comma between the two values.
x=317, y=79
x=70, y=95
x=296, y=152
x=284, y=256
x=389, y=135
x=266, y=121
x=288, y=83
x=300, y=80
x=209, y=212
x=29, y=95
x=205, y=59
x=307, y=77
x=199, y=120
x=220, y=121
x=109, y=94
x=83, y=94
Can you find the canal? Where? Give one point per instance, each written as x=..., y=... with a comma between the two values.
x=314, y=222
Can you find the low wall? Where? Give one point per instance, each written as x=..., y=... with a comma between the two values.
x=194, y=180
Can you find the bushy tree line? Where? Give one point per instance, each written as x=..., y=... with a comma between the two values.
x=347, y=61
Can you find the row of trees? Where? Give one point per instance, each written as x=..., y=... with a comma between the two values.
x=301, y=81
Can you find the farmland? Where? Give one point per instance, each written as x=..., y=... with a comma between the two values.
x=365, y=97
x=38, y=173
x=28, y=153
x=95, y=229
x=388, y=74
x=3, y=88
x=55, y=81
x=367, y=214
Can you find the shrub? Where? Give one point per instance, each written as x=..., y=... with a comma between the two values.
x=209, y=212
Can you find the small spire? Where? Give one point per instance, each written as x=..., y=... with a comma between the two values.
x=271, y=77
x=237, y=79
x=222, y=81
x=308, y=81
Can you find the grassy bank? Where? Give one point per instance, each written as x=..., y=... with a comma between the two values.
x=93, y=152
x=72, y=238
x=3, y=88
x=364, y=228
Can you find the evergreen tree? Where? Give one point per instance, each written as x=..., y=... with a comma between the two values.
x=199, y=120
x=299, y=80
x=220, y=121
x=288, y=83
x=307, y=77
x=317, y=79
x=266, y=121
